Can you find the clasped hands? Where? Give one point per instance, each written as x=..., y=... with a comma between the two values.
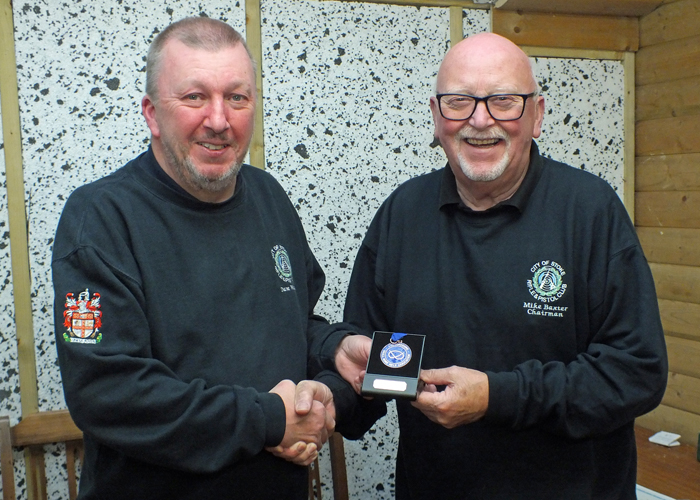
x=463, y=400
x=310, y=419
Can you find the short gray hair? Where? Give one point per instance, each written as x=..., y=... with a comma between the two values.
x=195, y=32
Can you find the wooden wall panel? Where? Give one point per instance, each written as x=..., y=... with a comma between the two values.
x=681, y=283
x=668, y=61
x=683, y=355
x=671, y=245
x=668, y=136
x=568, y=31
x=683, y=393
x=671, y=419
x=668, y=172
x=634, y=8
x=680, y=319
x=668, y=99
x=670, y=22
x=668, y=209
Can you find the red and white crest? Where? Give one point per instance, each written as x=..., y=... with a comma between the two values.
x=82, y=317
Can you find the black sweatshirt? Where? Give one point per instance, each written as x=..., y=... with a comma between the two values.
x=549, y=293
x=203, y=308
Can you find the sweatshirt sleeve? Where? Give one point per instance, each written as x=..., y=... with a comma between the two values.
x=119, y=393
x=621, y=374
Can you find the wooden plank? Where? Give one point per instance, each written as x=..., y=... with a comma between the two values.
x=467, y=4
x=6, y=459
x=456, y=26
x=669, y=99
x=570, y=31
x=680, y=283
x=668, y=209
x=634, y=8
x=670, y=22
x=668, y=172
x=668, y=61
x=628, y=174
x=668, y=136
x=254, y=41
x=683, y=355
x=671, y=245
x=683, y=393
x=680, y=319
x=674, y=472
x=670, y=419
x=45, y=427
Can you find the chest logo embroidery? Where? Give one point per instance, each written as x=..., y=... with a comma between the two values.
x=83, y=318
x=283, y=266
x=547, y=286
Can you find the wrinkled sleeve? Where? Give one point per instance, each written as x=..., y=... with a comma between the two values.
x=621, y=374
x=354, y=414
x=118, y=393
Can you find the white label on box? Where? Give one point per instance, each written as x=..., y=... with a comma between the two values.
x=389, y=385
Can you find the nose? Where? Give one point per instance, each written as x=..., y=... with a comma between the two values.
x=481, y=118
x=216, y=118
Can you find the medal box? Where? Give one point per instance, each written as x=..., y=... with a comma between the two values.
x=393, y=367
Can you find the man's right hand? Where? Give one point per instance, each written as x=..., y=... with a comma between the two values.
x=351, y=357
x=310, y=418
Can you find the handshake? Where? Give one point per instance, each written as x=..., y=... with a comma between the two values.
x=309, y=407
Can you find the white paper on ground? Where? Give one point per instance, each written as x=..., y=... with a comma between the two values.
x=647, y=494
x=665, y=438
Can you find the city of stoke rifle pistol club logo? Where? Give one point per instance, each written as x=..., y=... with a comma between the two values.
x=547, y=283
x=396, y=354
x=83, y=318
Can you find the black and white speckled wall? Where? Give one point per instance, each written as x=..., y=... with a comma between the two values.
x=346, y=88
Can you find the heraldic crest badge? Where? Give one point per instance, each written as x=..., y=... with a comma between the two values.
x=83, y=318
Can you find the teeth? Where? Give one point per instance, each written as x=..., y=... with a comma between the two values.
x=482, y=142
x=213, y=147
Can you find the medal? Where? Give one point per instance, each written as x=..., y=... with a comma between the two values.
x=396, y=354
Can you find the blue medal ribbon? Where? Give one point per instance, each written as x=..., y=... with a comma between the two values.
x=396, y=337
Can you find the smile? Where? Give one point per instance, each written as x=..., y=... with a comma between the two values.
x=482, y=142
x=213, y=147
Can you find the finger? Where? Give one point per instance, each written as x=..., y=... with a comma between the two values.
x=304, y=396
x=438, y=376
x=308, y=456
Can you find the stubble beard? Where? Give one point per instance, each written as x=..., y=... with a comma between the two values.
x=469, y=170
x=178, y=156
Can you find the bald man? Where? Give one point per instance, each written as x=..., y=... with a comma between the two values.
x=543, y=337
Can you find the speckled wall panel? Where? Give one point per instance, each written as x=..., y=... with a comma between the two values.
x=347, y=119
x=81, y=75
x=584, y=117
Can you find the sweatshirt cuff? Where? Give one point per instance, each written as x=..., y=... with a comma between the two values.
x=503, y=394
x=275, y=417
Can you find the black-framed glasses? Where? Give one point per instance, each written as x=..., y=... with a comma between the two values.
x=501, y=107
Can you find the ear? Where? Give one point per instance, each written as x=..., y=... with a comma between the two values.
x=539, y=117
x=434, y=109
x=148, y=109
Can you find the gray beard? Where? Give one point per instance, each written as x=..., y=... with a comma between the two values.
x=472, y=173
x=189, y=175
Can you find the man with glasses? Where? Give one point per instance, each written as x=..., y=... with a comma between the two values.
x=543, y=337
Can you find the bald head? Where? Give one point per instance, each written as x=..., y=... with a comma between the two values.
x=487, y=55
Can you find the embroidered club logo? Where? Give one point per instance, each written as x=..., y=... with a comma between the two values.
x=83, y=318
x=547, y=283
x=282, y=264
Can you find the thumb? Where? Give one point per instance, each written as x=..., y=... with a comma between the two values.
x=434, y=376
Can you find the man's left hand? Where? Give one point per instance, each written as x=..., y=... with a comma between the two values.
x=463, y=401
